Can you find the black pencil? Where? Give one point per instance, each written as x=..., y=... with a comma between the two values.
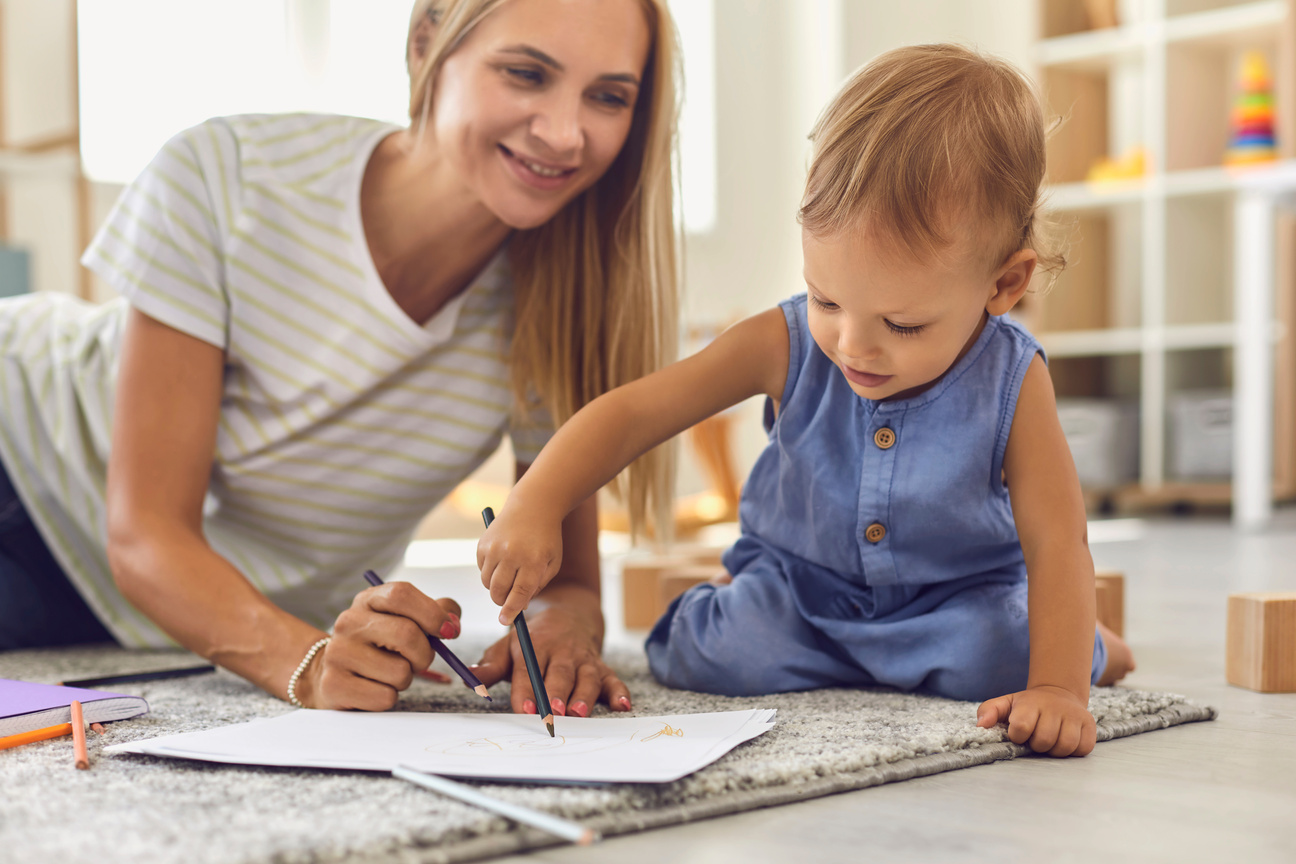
x=461, y=669
x=132, y=677
x=528, y=655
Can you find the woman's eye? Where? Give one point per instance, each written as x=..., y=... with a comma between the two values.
x=901, y=330
x=612, y=100
x=530, y=76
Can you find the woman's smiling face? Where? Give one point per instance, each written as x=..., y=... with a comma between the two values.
x=536, y=102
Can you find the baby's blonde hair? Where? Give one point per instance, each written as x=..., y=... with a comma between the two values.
x=925, y=134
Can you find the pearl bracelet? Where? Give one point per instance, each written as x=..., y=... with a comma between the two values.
x=301, y=667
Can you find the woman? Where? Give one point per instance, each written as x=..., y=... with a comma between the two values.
x=326, y=324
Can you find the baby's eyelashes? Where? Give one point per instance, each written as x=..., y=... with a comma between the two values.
x=904, y=330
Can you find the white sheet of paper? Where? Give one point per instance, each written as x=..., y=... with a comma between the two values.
x=487, y=746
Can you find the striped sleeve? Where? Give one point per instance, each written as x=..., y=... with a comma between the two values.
x=161, y=246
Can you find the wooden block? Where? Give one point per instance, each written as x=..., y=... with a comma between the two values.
x=675, y=582
x=1261, y=653
x=641, y=591
x=1110, y=588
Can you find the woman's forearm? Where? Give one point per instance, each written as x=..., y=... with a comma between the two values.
x=204, y=603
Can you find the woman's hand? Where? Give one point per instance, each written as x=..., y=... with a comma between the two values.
x=518, y=555
x=566, y=627
x=378, y=646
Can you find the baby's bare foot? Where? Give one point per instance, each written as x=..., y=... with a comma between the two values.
x=1120, y=659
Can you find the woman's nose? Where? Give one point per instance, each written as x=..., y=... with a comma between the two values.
x=557, y=124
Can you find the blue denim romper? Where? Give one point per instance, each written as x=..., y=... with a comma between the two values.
x=878, y=544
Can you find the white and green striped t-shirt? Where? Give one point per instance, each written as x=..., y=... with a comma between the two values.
x=342, y=420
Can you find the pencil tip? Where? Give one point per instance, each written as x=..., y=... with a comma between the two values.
x=480, y=690
x=548, y=721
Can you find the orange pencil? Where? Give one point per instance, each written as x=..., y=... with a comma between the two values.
x=35, y=735
x=78, y=737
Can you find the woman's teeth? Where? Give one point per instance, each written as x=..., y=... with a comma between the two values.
x=540, y=169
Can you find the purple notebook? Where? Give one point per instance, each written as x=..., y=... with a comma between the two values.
x=25, y=706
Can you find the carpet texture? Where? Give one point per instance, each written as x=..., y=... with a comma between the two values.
x=144, y=809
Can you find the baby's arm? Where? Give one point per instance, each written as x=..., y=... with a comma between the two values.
x=522, y=549
x=1052, y=712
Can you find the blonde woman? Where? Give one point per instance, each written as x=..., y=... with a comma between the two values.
x=325, y=324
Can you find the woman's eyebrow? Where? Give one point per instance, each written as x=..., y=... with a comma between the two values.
x=540, y=56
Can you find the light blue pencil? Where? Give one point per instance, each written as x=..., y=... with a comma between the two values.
x=566, y=829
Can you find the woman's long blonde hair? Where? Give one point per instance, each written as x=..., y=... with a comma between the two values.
x=597, y=286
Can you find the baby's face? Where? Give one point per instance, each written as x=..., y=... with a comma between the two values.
x=893, y=325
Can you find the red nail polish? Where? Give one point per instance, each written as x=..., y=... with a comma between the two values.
x=624, y=703
x=448, y=630
x=528, y=707
x=559, y=708
x=580, y=709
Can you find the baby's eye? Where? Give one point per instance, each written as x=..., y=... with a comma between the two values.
x=823, y=304
x=901, y=330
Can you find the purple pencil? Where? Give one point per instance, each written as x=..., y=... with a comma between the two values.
x=460, y=668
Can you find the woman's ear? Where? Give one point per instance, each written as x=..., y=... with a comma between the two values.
x=1011, y=281
x=420, y=41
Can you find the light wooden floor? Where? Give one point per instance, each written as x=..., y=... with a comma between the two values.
x=1219, y=792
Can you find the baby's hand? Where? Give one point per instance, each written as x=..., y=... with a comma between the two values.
x=1052, y=719
x=518, y=555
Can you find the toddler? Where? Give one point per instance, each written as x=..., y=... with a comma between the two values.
x=916, y=520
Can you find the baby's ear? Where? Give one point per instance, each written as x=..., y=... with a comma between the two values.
x=1012, y=279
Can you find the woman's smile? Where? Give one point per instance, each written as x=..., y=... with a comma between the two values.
x=535, y=173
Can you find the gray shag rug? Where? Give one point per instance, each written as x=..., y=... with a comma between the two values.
x=144, y=809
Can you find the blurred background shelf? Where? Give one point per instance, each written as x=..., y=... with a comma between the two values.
x=1153, y=311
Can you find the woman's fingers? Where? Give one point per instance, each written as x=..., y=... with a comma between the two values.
x=559, y=679
x=496, y=662
x=450, y=606
x=401, y=600
x=433, y=675
x=522, y=697
x=587, y=690
x=615, y=691
x=379, y=644
x=340, y=685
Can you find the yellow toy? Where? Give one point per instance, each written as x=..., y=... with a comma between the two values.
x=1131, y=165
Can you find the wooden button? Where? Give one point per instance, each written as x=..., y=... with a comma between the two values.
x=875, y=532
x=884, y=438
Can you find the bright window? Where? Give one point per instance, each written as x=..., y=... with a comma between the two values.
x=695, y=21
x=150, y=68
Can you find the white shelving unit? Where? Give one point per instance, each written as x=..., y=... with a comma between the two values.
x=40, y=161
x=1156, y=299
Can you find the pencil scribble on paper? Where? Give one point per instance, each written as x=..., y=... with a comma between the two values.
x=526, y=745
x=537, y=745
x=667, y=730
